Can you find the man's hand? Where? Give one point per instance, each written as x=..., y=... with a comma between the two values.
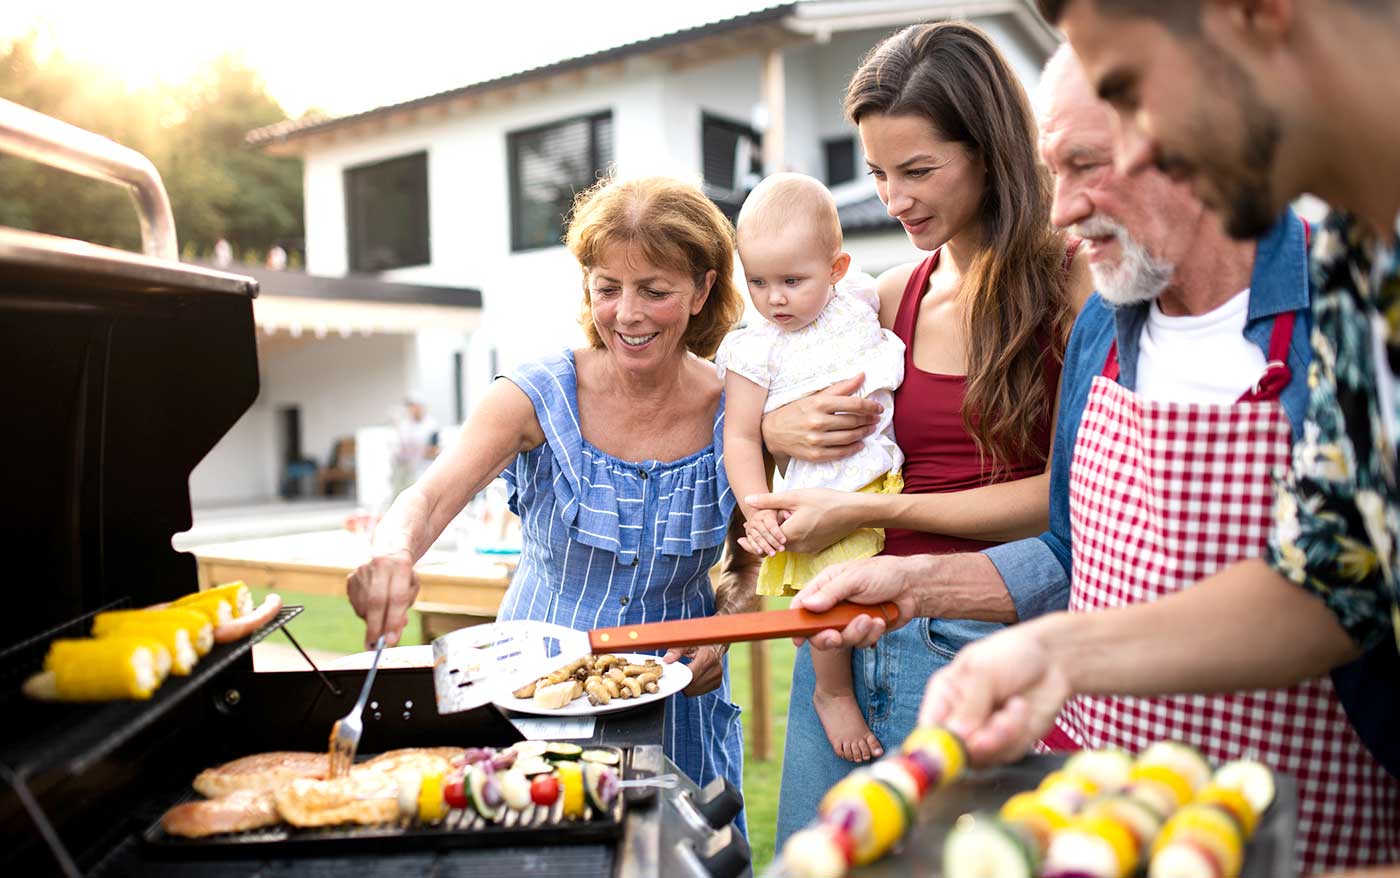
x=828, y=425
x=706, y=667
x=381, y=590
x=1001, y=694
x=867, y=581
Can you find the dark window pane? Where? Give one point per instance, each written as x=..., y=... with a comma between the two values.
x=840, y=160
x=386, y=204
x=548, y=166
x=731, y=157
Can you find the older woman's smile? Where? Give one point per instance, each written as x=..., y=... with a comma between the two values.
x=637, y=341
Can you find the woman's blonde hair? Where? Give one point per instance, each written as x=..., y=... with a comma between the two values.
x=1018, y=314
x=676, y=227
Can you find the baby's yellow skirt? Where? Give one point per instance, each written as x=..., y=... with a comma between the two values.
x=785, y=573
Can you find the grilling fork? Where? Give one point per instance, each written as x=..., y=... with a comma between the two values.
x=345, y=734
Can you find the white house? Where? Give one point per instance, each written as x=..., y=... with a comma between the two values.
x=467, y=188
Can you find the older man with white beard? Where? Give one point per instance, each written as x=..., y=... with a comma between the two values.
x=1185, y=382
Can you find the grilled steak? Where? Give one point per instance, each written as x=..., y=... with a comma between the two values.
x=261, y=771
x=366, y=798
x=245, y=809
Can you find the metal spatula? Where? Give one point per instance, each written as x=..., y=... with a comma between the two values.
x=484, y=663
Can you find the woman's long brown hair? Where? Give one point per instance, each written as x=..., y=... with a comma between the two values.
x=950, y=74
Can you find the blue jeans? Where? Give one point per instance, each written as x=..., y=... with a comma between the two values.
x=889, y=680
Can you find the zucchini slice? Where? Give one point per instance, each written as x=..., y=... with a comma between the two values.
x=980, y=845
x=529, y=748
x=600, y=786
x=533, y=765
x=482, y=798
x=602, y=757
x=558, y=751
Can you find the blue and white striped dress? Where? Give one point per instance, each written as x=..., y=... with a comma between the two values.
x=613, y=542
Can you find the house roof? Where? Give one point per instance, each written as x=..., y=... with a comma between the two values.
x=293, y=128
x=799, y=20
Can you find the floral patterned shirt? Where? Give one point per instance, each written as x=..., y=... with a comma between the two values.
x=1337, y=517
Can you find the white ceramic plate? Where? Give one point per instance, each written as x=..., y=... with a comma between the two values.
x=674, y=678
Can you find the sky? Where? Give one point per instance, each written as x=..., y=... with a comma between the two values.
x=348, y=56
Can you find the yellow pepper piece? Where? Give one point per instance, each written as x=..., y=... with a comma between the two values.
x=944, y=744
x=1036, y=815
x=1209, y=826
x=1125, y=848
x=1160, y=774
x=1074, y=781
x=432, y=807
x=1231, y=800
x=888, y=819
x=571, y=785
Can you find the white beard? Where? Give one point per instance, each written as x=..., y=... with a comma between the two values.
x=1136, y=277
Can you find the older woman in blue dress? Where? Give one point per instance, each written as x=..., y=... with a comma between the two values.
x=613, y=456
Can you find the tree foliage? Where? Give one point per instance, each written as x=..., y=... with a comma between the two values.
x=194, y=134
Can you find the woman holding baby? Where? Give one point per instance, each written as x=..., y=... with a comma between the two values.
x=949, y=137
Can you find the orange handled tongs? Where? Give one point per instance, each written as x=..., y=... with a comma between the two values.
x=473, y=666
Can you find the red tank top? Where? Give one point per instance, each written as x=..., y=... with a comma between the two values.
x=939, y=455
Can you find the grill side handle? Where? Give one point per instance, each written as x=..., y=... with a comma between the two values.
x=49, y=141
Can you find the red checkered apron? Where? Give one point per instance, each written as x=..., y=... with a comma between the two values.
x=1162, y=495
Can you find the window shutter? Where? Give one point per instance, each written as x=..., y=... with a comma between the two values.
x=549, y=165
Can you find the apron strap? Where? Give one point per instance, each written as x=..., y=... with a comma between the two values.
x=1276, y=372
x=1110, y=365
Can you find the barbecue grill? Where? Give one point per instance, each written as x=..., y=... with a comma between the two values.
x=120, y=371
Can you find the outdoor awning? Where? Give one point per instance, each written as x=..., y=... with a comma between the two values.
x=321, y=317
x=321, y=305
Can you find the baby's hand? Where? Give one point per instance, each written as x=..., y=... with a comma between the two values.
x=763, y=533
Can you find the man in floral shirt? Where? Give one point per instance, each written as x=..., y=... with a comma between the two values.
x=1256, y=102
x=1336, y=516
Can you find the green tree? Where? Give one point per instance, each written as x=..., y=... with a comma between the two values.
x=194, y=134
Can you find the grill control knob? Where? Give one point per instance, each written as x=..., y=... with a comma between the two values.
x=720, y=803
x=729, y=861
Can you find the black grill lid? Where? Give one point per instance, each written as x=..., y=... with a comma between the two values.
x=118, y=373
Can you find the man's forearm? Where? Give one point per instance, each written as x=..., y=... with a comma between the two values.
x=1244, y=628
x=961, y=586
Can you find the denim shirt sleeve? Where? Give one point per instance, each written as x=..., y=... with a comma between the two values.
x=1036, y=571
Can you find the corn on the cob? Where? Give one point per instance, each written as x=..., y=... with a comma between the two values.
x=104, y=669
x=214, y=607
x=240, y=599
x=171, y=628
x=195, y=623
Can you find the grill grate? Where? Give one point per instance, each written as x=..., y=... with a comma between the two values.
x=463, y=827
x=75, y=737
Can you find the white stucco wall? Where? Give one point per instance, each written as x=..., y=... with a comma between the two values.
x=240, y=467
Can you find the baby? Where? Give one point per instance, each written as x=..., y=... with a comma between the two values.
x=820, y=326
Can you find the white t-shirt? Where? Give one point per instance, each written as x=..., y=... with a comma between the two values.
x=1200, y=358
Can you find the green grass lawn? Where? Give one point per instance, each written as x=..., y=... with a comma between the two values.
x=328, y=623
